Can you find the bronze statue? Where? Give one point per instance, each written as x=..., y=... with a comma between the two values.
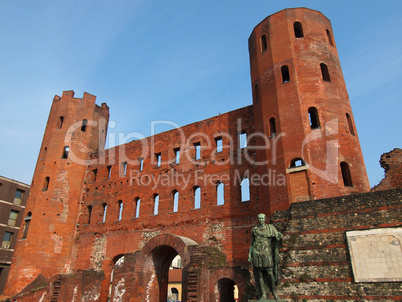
x=264, y=255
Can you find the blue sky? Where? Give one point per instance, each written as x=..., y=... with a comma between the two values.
x=178, y=60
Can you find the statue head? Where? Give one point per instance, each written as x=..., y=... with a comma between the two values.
x=261, y=218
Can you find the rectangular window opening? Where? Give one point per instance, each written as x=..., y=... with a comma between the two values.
x=8, y=237
x=243, y=140
x=177, y=155
x=109, y=171
x=141, y=160
x=158, y=157
x=18, y=196
x=218, y=141
x=124, y=167
x=197, y=147
x=12, y=219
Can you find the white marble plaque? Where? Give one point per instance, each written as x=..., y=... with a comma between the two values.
x=376, y=254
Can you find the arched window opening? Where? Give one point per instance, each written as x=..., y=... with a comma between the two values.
x=298, y=30
x=156, y=204
x=330, y=38
x=84, y=125
x=120, y=202
x=220, y=194
x=89, y=210
x=325, y=72
x=27, y=221
x=227, y=290
x=297, y=162
x=285, y=74
x=313, y=118
x=104, y=206
x=65, y=152
x=46, y=184
x=60, y=122
x=175, y=196
x=256, y=94
x=245, y=190
x=263, y=43
x=350, y=124
x=347, y=178
x=109, y=171
x=137, y=207
x=197, y=197
x=272, y=127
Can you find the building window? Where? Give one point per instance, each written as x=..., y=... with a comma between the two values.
x=285, y=74
x=104, y=206
x=177, y=155
x=219, y=146
x=325, y=72
x=65, y=152
x=137, y=207
x=158, y=157
x=330, y=38
x=220, y=194
x=89, y=210
x=18, y=197
x=120, y=202
x=94, y=174
x=12, y=219
x=60, y=122
x=297, y=162
x=141, y=161
x=243, y=139
x=347, y=178
x=197, y=147
x=245, y=190
x=84, y=125
x=298, y=30
x=313, y=118
x=350, y=124
x=46, y=184
x=197, y=197
x=124, y=168
x=7, y=238
x=175, y=196
x=26, y=226
x=156, y=204
x=263, y=43
x=272, y=127
x=109, y=171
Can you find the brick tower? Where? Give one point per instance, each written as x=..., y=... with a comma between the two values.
x=302, y=107
x=76, y=128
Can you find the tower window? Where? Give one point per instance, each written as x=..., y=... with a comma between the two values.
x=272, y=127
x=156, y=204
x=89, y=209
x=263, y=43
x=158, y=157
x=65, y=152
x=243, y=140
x=175, y=201
x=60, y=122
x=218, y=141
x=197, y=197
x=120, y=202
x=325, y=73
x=298, y=30
x=330, y=38
x=245, y=190
x=297, y=162
x=350, y=124
x=141, y=161
x=177, y=155
x=84, y=125
x=26, y=226
x=46, y=184
x=347, y=178
x=220, y=194
x=197, y=147
x=104, y=212
x=94, y=174
x=137, y=207
x=285, y=74
x=124, y=167
x=313, y=118
x=109, y=171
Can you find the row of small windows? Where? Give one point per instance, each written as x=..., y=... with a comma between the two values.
x=220, y=200
x=60, y=122
x=298, y=31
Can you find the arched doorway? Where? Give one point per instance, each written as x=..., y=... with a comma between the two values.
x=227, y=290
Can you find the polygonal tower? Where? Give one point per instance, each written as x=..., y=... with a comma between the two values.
x=76, y=128
x=302, y=108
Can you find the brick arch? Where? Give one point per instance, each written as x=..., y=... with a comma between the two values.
x=179, y=243
x=228, y=273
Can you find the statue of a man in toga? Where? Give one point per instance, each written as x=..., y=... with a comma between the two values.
x=264, y=255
